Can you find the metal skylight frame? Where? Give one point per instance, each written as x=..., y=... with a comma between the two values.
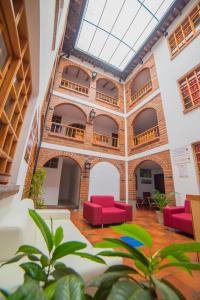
x=130, y=51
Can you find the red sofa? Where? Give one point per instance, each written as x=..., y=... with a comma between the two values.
x=102, y=210
x=179, y=217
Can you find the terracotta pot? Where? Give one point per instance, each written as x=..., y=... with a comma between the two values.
x=159, y=215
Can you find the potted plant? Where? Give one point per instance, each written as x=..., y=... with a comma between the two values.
x=161, y=200
x=36, y=188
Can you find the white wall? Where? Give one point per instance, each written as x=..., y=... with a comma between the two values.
x=104, y=180
x=183, y=129
x=40, y=16
x=52, y=184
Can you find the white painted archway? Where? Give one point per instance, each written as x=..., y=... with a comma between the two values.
x=104, y=180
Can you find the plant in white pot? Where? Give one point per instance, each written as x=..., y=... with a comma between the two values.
x=36, y=188
x=162, y=200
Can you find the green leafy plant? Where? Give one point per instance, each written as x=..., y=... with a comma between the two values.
x=46, y=277
x=120, y=282
x=36, y=188
x=162, y=200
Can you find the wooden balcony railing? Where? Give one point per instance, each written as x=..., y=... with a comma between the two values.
x=105, y=140
x=141, y=92
x=105, y=98
x=72, y=86
x=69, y=131
x=147, y=136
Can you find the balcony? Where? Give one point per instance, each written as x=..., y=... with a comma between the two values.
x=140, y=85
x=72, y=86
x=107, y=92
x=76, y=80
x=141, y=92
x=68, y=131
x=145, y=127
x=105, y=132
x=105, y=140
x=148, y=136
x=68, y=121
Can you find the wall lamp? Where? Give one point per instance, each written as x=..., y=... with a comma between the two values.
x=92, y=115
x=87, y=165
x=94, y=75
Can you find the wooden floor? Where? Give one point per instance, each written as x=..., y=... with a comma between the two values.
x=190, y=286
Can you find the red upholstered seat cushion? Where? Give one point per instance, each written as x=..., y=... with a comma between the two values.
x=183, y=222
x=187, y=206
x=105, y=201
x=113, y=215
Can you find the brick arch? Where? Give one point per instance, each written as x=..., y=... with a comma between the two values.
x=77, y=66
x=163, y=160
x=111, y=117
x=137, y=73
x=50, y=155
x=97, y=160
x=112, y=81
x=72, y=104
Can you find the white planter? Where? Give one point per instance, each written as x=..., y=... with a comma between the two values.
x=159, y=216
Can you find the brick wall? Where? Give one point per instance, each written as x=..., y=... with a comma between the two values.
x=150, y=63
x=88, y=139
x=92, y=90
x=155, y=103
x=47, y=154
x=161, y=158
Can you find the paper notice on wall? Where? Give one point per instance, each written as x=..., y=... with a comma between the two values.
x=183, y=171
x=181, y=155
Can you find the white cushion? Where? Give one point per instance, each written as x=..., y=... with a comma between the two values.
x=55, y=214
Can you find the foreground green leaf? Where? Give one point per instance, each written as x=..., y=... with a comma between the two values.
x=34, y=271
x=13, y=260
x=58, y=237
x=29, y=250
x=91, y=257
x=66, y=249
x=44, y=229
x=115, y=254
x=166, y=291
x=179, y=247
x=123, y=290
x=136, y=232
x=70, y=287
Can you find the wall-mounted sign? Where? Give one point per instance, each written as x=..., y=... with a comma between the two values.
x=181, y=155
x=183, y=171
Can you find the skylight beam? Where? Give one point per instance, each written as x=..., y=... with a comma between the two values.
x=112, y=27
x=154, y=16
x=108, y=33
x=96, y=26
x=126, y=33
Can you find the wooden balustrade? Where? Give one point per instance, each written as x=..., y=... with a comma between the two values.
x=147, y=136
x=108, y=99
x=105, y=140
x=69, y=131
x=141, y=92
x=73, y=86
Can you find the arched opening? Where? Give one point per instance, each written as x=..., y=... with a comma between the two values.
x=145, y=127
x=106, y=91
x=141, y=85
x=62, y=183
x=75, y=79
x=68, y=120
x=104, y=180
x=105, y=131
x=149, y=177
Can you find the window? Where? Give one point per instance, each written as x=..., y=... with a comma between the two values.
x=52, y=163
x=190, y=89
x=185, y=32
x=197, y=154
x=15, y=91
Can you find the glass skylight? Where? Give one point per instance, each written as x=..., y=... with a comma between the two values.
x=114, y=30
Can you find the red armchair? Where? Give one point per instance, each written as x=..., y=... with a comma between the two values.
x=102, y=210
x=179, y=217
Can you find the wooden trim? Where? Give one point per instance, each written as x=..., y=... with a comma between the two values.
x=185, y=34
x=145, y=89
x=110, y=100
x=147, y=136
x=105, y=140
x=75, y=87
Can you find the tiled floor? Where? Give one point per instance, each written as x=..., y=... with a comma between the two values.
x=190, y=286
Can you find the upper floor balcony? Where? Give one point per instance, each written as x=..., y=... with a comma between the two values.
x=105, y=132
x=140, y=86
x=69, y=122
x=107, y=92
x=75, y=79
x=145, y=128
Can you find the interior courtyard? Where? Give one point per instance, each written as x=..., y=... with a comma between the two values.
x=99, y=114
